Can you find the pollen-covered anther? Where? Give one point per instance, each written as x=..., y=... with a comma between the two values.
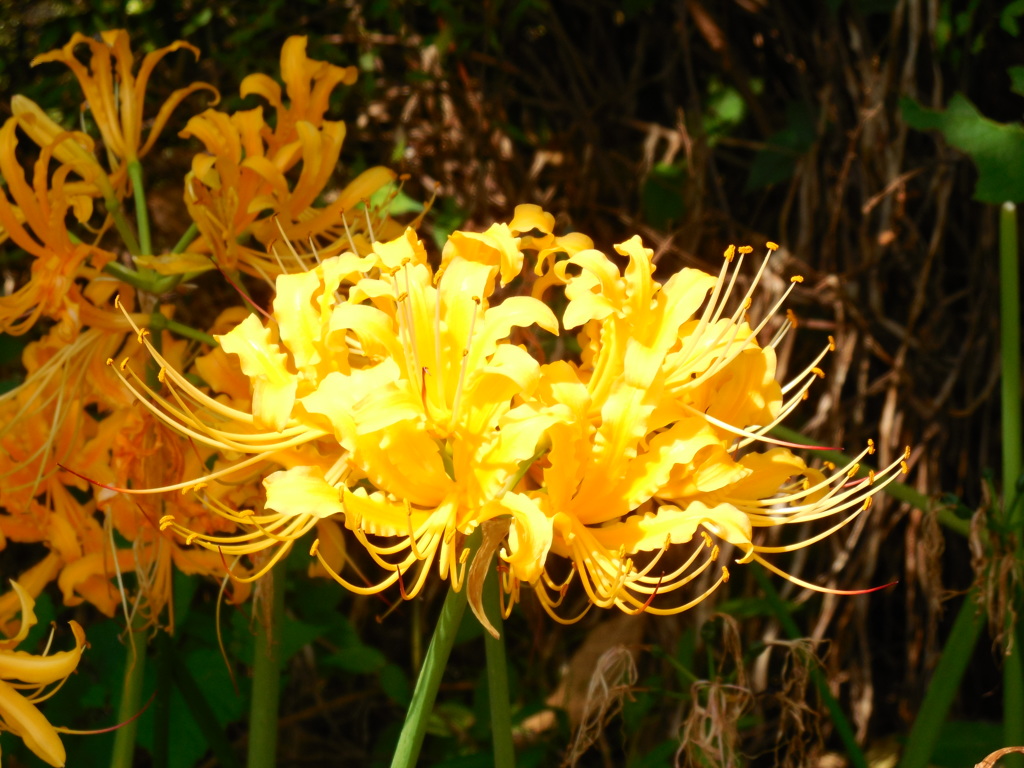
x=771, y=246
x=730, y=253
x=831, y=344
x=161, y=375
x=871, y=446
x=190, y=538
x=745, y=249
x=867, y=503
x=123, y=364
x=166, y=522
x=796, y=279
x=725, y=575
x=871, y=476
x=791, y=318
x=141, y=334
x=853, y=471
x=818, y=372
x=110, y=361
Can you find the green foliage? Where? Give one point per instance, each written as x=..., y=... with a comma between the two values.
x=961, y=741
x=662, y=195
x=1016, y=80
x=997, y=149
x=776, y=162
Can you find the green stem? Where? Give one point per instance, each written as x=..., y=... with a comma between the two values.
x=162, y=702
x=422, y=705
x=131, y=696
x=145, y=280
x=945, y=682
x=897, y=490
x=497, y=677
x=141, y=210
x=160, y=322
x=121, y=223
x=843, y=728
x=186, y=239
x=1009, y=336
x=266, y=675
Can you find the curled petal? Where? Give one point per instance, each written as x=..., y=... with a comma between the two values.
x=22, y=718
x=529, y=216
x=261, y=359
x=302, y=491
x=529, y=537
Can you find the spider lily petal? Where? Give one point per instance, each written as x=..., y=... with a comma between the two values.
x=20, y=671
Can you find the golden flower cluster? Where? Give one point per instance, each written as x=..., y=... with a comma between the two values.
x=392, y=400
x=74, y=224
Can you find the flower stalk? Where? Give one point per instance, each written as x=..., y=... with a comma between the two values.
x=186, y=239
x=141, y=210
x=123, y=755
x=410, y=740
x=497, y=677
x=266, y=675
x=1013, y=459
x=121, y=224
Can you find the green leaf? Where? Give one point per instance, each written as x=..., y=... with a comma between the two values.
x=662, y=754
x=1009, y=15
x=295, y=635
x=11, y=348
x=358, y=658
x=965, y=742
x=450, y=718
x=395, y=683
x=1016, y=80
x=777, y=161
x=219, y=700
x=662, y=196
x=997, y=149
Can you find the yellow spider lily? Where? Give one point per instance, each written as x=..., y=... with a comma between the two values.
x=243, y=184
x=392, y=397
x=72, y=148
x=407, y=383
x=34, y=220
x=668, y=390
x=308, y=83
x=116, y=95
x=45, y=426
x=23, y=678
